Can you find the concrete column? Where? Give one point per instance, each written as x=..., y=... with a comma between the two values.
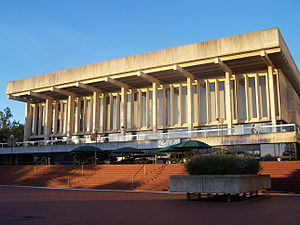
x=40, y=119
x=208, y=103
x=172, y=105
x=180, y=119
x=60, y=116
x=237, y=106
x=132, y=111
x=272, y=95
x=154, y=107
x=65, y=116
x=247, y=97
x=165, y=107
x=140, y=110
x=28, y=118
x=189, y=103
x=84, y=117
x=217, y=102
x=118, y=102
x=70, y=116
x=78, y=114
x=90, y=128
x=110, y=110
x=197, y=109
x=278, y=99
x=228, y=101
x=48, y=119
x=35, y=119
x=123, y=111
x=258, y=96
x=148, y=108
x=104, y=114
x=55, y=117
x=96, y=111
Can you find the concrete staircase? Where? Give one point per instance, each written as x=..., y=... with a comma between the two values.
x=285, y=175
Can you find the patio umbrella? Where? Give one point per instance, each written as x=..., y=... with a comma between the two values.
x=192, y=144
x=170, y=148
x=85, y=149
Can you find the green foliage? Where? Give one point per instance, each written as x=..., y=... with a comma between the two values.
x=220, y=165
x=5, y=117
x=7, y=127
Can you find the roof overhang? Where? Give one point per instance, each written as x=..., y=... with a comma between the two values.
x=244, y=53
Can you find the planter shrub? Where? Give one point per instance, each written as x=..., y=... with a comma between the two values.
x=221, y=165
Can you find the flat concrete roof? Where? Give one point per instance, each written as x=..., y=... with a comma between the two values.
x=229, y=49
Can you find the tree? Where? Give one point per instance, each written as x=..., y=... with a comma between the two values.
x=5, y=118
x=8, y=127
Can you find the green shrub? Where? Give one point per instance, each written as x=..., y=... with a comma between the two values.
x=219, y=165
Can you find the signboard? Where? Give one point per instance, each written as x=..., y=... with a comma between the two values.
x=166, y=142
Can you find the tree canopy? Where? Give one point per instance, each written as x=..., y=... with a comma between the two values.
x=9, y=126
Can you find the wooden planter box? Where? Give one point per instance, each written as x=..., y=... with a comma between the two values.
x=219, y=184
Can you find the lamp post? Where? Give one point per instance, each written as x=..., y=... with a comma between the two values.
x=11, y=142
x=221, y=121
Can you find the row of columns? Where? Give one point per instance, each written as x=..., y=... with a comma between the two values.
x=73, y=124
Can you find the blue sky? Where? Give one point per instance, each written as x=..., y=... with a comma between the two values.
x=39, y=36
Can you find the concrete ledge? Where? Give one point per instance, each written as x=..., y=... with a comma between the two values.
x=225, y=184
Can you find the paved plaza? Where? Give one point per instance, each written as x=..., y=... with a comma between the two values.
x=20, y=206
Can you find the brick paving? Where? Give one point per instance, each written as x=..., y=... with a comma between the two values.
x=24, y=206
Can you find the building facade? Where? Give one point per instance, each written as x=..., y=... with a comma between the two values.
x=249, y=85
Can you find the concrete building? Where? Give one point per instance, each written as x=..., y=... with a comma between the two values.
x=241, y=92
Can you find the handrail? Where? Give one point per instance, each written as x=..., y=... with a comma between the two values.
x=132, y=181
x=171, y=135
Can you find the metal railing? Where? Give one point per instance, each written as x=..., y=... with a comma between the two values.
x=133, y=177
x=221, y=131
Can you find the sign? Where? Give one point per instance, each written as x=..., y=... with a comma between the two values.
x=166, y=142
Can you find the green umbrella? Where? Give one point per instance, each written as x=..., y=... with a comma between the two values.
x=127, y=150
x=85, y=149
x=170, y=148
x=192, y=144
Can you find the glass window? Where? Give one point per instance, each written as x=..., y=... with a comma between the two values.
x=129, y=111
x=263, y=95
x=276, y=94
x=160, y=111
x=233, y=98
x=168, y=95
x=194, y=104
x=222, y=97
x=135, y=110
x=242, y=99
x=108, y=109
x=212, y=93
x=252, y=98
x=115, y=114
x=176, y=105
